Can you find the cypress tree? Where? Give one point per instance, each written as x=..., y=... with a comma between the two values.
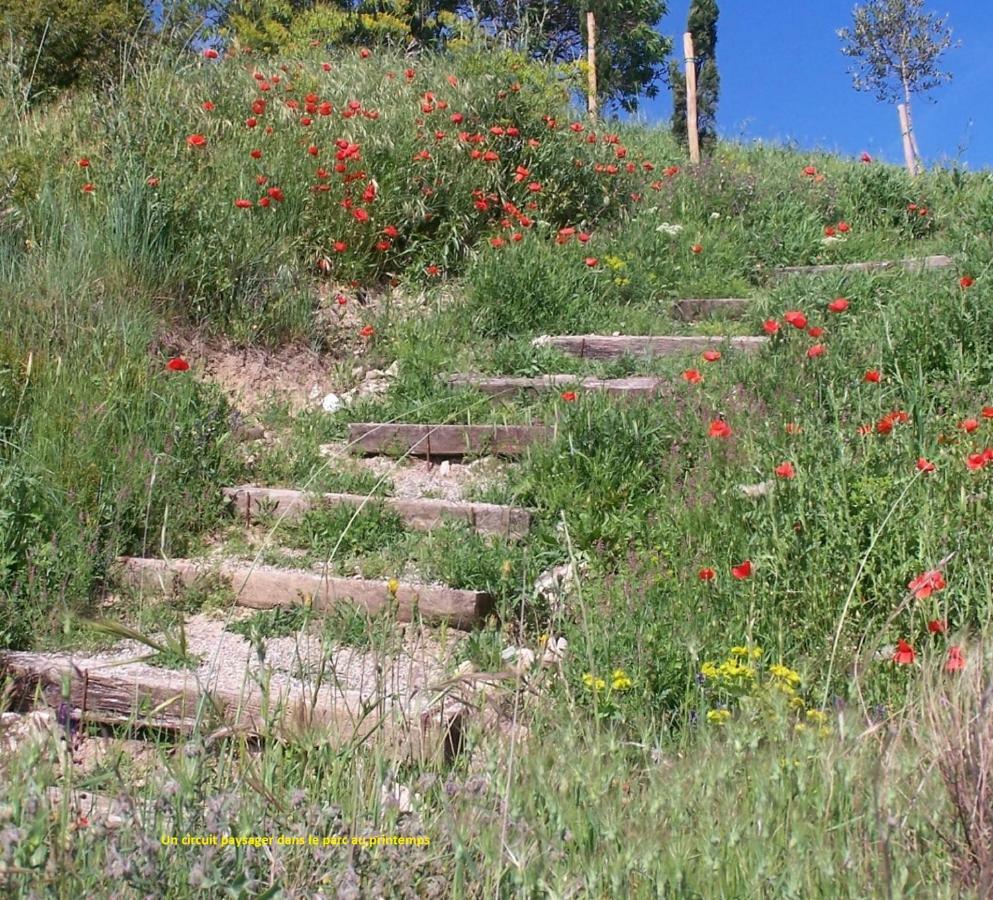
x=702, y=24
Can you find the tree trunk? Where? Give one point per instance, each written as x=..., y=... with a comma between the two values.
x=907, y=125
x=591, y=62
x=908, y=148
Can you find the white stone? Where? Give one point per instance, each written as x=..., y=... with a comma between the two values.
x=332, y=403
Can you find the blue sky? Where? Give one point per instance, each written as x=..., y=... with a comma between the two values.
x=783, y=78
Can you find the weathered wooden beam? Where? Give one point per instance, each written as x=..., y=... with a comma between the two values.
x=446, y=440
x=420, y=514
x=261, y=587
x=108, y=692
x=920, y=264
x=731, y=308
x=640, y=386
x=594, y=346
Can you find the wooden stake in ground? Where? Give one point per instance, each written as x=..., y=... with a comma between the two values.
x=910, y=158
x=692, y=132
x=591, y=62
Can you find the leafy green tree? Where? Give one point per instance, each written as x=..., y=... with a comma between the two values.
x=702, y=24
x=631, y=53
x=898, y=48
x=55, y=44
x=273, y=26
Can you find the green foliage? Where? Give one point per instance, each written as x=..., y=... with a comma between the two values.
x=56, y=44
x=295, y=26
x=631, y=51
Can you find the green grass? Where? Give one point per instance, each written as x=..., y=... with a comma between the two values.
x=625, y=786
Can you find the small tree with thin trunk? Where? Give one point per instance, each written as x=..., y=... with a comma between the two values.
x=898, y=47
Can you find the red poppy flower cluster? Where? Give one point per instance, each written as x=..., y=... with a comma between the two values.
x=885, y=424
x=739, y=572
x=923, y=587
x=835, y=230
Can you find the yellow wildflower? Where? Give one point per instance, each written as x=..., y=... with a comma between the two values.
x=393, y=586
x=718, y=716
x=594, y=684
x=784, y=674
x=817, y=715
x=619, y=680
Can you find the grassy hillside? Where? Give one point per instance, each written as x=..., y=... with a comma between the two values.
x=716, y=729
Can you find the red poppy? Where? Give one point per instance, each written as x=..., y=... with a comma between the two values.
x=844, y=227
x=365, y=53
x=196, y=141
x=84, y=163
x=829, y=231
x=177, y=364
x=975, y=461
x=569, y=396
x=341, y=299
x=865, y=157
x=743, y=571
x=276, y=194
x=816, y=350
x=904, y=654
x=719, y=429
x=988, y=412
x=207, y=106
x=969, y=425
x=592, y=261
x=927, y=583
x=937, y=626
x=815, y=332
x=210, y=53
x=697, y=248
x=810, y=171
x=770, y=326
x=692, y=376
x=88, y=188
x=873, y=376
x=152, y=181
x=785, y=470
x=792, y=428
x=432, y=270
x=955, y=661
x=706, y=574
x=711, y=355
x=924, y=465
x=795, y=318
x=243, y=204
x=368, y=331
x=966, y=282
x=839, y=305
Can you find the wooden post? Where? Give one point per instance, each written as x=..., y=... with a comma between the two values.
x=692, y=133
x=591, y=62
x=909, y=156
